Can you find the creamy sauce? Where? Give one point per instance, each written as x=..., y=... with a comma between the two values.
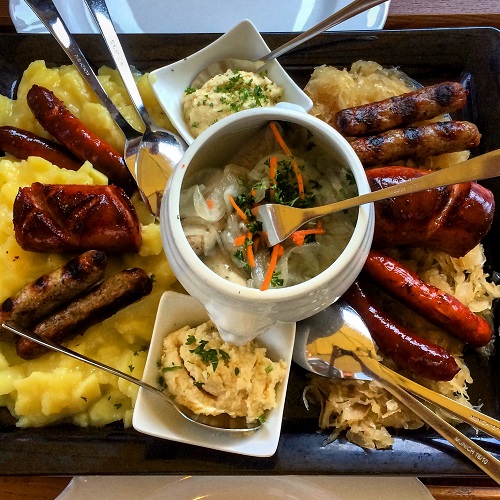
x=226, y=94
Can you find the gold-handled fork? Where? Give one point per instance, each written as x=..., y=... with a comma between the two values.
x=280, y=221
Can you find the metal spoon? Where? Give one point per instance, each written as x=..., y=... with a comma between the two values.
x=257, y=65
x=280, y=221
x=351, y=354
x=50, y=17
x=223, y=421
x=160, y=150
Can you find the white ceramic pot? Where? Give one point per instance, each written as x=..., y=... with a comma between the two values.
x=242, y=313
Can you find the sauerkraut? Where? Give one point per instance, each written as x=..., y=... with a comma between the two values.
x=218, y=222
x=361, y=409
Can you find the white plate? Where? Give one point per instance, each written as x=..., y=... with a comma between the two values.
x=245, y=488
x=157, y=418
x=200, y=16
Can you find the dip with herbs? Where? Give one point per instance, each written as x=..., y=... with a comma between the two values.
x=210, y=376
x=225, y=94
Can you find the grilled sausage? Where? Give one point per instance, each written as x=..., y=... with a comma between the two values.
x=51, y=291
x=453, y=219
x=416, y=142
x=67, y=129
x=421, y=104
x=112, y=295
x=435, y=305
x=23, y=144
x=72, y=218
x=406, y=349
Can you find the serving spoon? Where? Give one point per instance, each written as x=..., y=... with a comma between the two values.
x=49, y=15
x=160, y=150
x=258, y=65
x=280, y=221
x=222, y=421
x=336, y=343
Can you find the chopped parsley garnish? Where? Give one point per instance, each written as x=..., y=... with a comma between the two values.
x=210, y=356
x=190, y=90
x=191, y=340
x=276, y=281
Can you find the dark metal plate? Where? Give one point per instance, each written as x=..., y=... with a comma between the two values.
x=469, y=55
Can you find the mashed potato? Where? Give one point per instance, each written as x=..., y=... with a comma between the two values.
x=362, y=409
x=54, y=387
x=225, y=94
x=211, y=377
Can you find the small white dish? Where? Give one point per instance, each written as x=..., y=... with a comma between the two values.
x=242, y=42
x=200, y=16
x=157, y=418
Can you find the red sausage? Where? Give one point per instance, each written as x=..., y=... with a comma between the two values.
x=67, y=129
x=23, y=144
x=453, y=219
x=406, y=349
x=72, y=218
x=437, y=306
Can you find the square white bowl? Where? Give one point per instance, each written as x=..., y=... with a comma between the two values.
x=157, y=418
x=242, y=42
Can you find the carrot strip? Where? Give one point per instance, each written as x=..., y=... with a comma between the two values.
x=210, y=203
x=272, y=266
x=250, y=255
x=286, y=150
x=238, y=209
x=298, y=237
x=239, y=240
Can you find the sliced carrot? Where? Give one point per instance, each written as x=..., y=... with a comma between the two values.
x=298, y=237
x=272, y=266
x=239, y=240
x=238, y=209
x=286, y=150
x=250, y=255
x=255, y=245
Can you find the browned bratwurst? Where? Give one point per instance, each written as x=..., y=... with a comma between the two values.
x=453, y=219
x=73, y=218
x=421, y=104
x=67, y=129
x=416, y=142
x=406, y=349
x=23, y=144
x=107, y=299
x=434, y=304
x=51, y=291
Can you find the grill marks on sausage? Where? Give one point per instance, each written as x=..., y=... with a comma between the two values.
x=102, y=302
x=73, y=218
x=453, y=219
x=422, y=104
x=416, y=142
x=51, y=291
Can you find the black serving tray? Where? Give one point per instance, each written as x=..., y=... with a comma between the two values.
x=469, y=55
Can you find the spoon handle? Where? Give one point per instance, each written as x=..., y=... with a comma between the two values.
x=49, y=15
x=483, y=459
x=350, y=10
x=469, y=415
x=80, y=357
x=101, y=15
